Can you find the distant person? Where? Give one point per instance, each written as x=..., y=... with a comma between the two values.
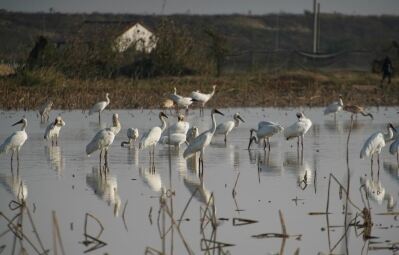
x=386, y=70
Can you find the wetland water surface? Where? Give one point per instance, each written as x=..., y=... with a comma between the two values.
x=127, y=202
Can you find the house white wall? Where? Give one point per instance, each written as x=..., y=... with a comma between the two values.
x=138, y=36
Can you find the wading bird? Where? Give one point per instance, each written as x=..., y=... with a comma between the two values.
x=334, y=107
x=151, y=138
x=181, y=101
x=203, y=98
x=374, y=145
x=132, y=135
x=394, y=150
x=192, y=134
x=180, y=127
x=226, y=127
x=298, y=129
x=44, y=111
x=201, y=142
x=15, y=141
x=53, y=130
x=355, y=109
x=266, y=129
x=100, y=106
x=175, y=139
x=104, y=139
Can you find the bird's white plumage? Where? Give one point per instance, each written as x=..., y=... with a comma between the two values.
x=175, y=139
x=151, y=138
x=180, y=127
x=192, y=133
x=201, y=97
x=180, y=100
x=201, y=141
x=100, y=106
x=268, y=129
x=299, y=128
x=334, y=107
x=16, y=140
x=132, y=133
x=105, y=137
x=102, y=140
x=373, y=144
x=53, y=129
x=225, y=127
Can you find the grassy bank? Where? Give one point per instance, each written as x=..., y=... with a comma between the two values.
x=290, y=88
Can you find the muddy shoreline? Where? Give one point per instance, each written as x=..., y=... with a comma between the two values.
x=288, y=89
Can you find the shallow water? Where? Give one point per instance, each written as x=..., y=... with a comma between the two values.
x=62, y=179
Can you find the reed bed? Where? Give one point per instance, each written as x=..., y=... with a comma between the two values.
x=282, y=89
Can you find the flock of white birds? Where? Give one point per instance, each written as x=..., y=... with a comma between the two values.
x=180, y=132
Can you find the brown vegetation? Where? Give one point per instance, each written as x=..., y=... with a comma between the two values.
x=288, y=88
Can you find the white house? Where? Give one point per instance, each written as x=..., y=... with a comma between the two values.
x=138, y=36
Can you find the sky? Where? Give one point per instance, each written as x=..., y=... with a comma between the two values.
x=359, y=7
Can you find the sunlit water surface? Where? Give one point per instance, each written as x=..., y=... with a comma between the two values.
x=64, y=180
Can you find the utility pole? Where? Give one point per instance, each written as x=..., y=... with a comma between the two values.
x=318, y=27
x=314, y=26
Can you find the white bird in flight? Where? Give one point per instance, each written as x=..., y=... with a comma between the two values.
x=374, y=144
x=266, y=129
x=104, y=139
x=16, y=140
x=53, y=130
x=203, y=98
x=334, y=107
x=100, y=106
x=132, y=135
x=298, y=129
x=226, y=127
x=201, y=142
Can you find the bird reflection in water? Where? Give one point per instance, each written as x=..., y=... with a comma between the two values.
x=54, y=157
x=151, y=178
x=392, y=169
x=133, y=154
x=105, y=187
x=378, y=193
x=196, y=185
x=299, y=167
x=15, y=186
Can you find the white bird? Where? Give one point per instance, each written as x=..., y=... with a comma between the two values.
x=334, y=107
x=151, y=138
x=100, y=106
x=181, y=101
x=44, y=111
x=298, y=129
x=203, y=98
x=16, y=140
x=104, y=138
x=192, y=133
x=175, y=139
x=53, y=130
x=132, y=135
x=226, y=127
x=201, y=142
x=266, y=129
x=394, y=149
x=180, y=127
x=375, y=143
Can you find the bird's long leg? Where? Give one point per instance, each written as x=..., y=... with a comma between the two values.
x=17, y=156
x=264, y=143
x=101, y=153
x=397, y=158
x=378, y=171
x=99, y=117
x=56, y=141
x=268, y=143
x=372, y=166
x=302, y=142
x=12, y=156
x=335, y=116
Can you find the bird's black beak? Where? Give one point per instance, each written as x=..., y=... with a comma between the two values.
x=393, y=128
x=194, y=100
x=164, y=115
x=217, y=111
x=239, y=117
x=19, y=122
